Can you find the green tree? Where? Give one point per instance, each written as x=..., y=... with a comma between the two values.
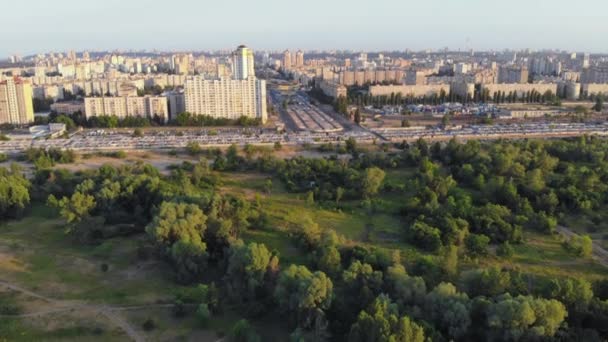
x=372, y=181
x=599, y=104
x=449, y=310
x=513, y=319
x=406, y=290
x=383, y=323
x=477, y=245
x=178, y=230
x=75, y=208
x=487, y=281
x=203, y=314
x=339, y=194
x=329, y=260
x=14, y=192
x=505, y=250
x=247, y=268
x=299, y=292
x=242, y=331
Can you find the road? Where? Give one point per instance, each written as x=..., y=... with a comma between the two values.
x=599, y=254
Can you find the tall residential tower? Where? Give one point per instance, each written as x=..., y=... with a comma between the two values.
x=242, y=63
x=16, y=105
x=232, y=98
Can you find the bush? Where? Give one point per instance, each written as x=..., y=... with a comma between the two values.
x=505, y=250
x=149, y=325
x=580, y=245
x=203, y=314
x=477, y=245
x=193, y=148
x=138, y=133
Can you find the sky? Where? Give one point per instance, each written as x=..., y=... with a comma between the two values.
x=34, y=26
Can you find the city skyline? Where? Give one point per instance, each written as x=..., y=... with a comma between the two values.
x=73, y=25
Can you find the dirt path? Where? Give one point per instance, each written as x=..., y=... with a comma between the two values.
x=110, y=312
x=599, y=254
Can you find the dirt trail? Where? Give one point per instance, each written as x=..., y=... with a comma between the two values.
x=110, y=312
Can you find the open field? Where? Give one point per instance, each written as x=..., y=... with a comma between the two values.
x=76, y=298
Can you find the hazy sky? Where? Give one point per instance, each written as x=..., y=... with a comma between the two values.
x=30, y=26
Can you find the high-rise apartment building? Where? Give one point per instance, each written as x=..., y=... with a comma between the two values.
x=299, y=58
x=232, y=98
x=286, y=60
x=242, y=63
x=180, y=64
x=226, y=98
x=513, y=74
x=145, y=106
x=16, y=104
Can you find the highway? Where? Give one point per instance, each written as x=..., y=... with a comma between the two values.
x=112, y=140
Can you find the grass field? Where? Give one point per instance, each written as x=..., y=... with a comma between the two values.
x=36, y=254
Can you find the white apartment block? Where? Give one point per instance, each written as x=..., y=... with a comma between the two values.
x=226, y=98
x=16, y=105
x=146, y=106
x=243, y=64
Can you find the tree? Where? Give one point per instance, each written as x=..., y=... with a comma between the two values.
x=371, y=181
x=449, y=260
x=178, y=231
x=268, y=186
x=14, y=192
x=512, y=319
x=138, y=133
x=247, y=268
x=308, y=233
x=383, y=323
x=193, y=148
x=505, y=250
x=339, y=194
x=358, y=116
x=581, y=245
x=449, y=310
x=445, y=120
x=406, y=290
x=487, y=282
x=329, y=260
x=599, y=104
x=300, y=293
x=425, y=236
x=75, y=208
x=203, y=314
x=576, y=293
x=242, y=331
x=477, y=245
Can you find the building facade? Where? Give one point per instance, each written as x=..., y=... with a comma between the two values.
x=226, y=98
x=243, y=64
x=122, y=107
x=16, y=104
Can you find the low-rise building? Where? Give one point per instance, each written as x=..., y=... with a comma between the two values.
x=333, y=89
x=589, y=89
x=409, y=90
x=520, y=88
x=69, y=107
x=526, y=113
